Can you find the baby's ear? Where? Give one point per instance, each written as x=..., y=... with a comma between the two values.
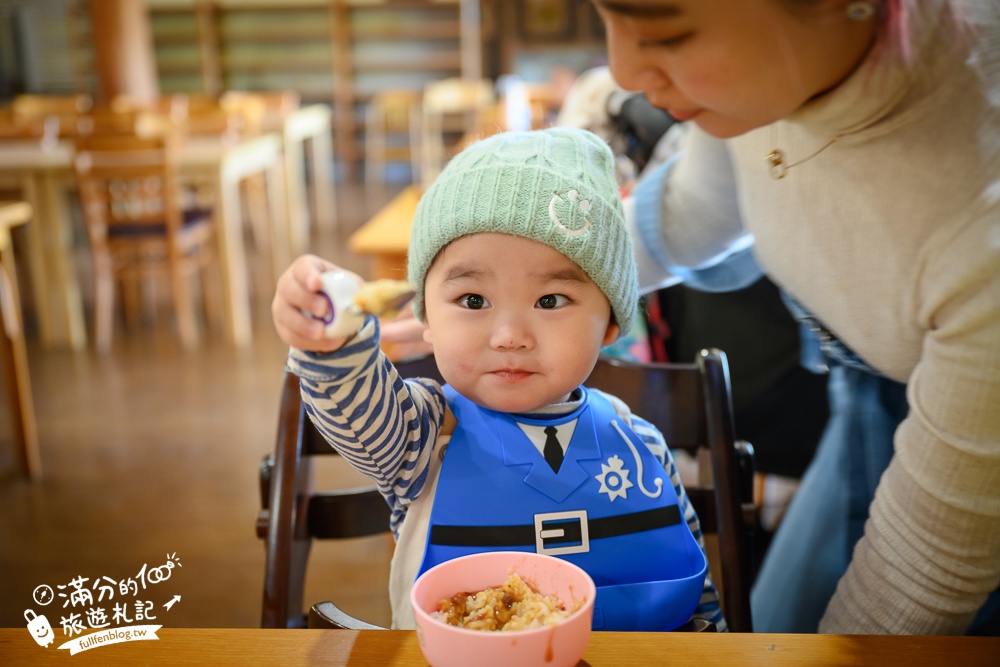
x=610, y=336
x=428, y=338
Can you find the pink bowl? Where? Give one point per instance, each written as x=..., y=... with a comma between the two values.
x=449, y=646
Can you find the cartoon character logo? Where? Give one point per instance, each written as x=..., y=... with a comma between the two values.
x=39, y=628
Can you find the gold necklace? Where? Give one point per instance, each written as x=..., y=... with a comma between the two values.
x=778, y=164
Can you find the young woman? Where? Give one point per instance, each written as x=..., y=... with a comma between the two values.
x=853, y=149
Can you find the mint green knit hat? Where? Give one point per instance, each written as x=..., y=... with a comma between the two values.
x=556, y=186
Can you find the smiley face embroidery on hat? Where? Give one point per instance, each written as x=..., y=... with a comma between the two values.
x=583, y=205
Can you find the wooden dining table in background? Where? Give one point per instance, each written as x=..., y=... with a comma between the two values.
x=385, y=237
x=389, y=648
x=44, y=172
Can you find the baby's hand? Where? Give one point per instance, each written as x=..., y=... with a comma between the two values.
x=296, y=298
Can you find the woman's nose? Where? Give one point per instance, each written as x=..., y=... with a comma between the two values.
x=632, y=67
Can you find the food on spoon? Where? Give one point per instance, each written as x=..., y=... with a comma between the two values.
x=383, y=297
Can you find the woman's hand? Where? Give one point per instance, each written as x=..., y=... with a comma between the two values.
x=298, y=293
x=404, y=334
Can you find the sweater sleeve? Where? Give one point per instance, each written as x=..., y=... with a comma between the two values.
x=685, y=221
x=382, y=425
x=929, y=556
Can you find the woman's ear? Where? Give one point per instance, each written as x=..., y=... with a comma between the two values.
x=610, y=336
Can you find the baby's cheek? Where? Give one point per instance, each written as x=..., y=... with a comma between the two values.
x=457, y=371
x=462, y=367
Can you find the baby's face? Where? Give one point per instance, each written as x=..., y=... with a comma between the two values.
x=515, y=324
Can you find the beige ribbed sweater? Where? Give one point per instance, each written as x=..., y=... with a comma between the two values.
x=891, y=237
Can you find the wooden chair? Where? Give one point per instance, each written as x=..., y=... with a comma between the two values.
x=306, y=132
x=392, y=134
x=281, y=113
x=690, y=403
x=36, y=111
x=119, y=118
x=137, y=225
x=263, y=111
x=293, y=513
x=451, y=110
x=206, y=116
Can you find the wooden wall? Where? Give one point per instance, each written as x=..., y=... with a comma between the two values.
x=341, y=52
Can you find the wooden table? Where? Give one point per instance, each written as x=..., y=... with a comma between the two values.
x=396, y=647
x=12, y=351
x=385, y=238
x=43, y=171
x=45, y=175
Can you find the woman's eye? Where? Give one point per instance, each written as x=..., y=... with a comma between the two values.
x=552, y=301
x=668, y=42
x=473, y=301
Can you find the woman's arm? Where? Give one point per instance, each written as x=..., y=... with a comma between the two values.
x=685, y=221
x=931, y=550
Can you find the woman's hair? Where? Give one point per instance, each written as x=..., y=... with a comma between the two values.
x=898, y=20
x=894, y=27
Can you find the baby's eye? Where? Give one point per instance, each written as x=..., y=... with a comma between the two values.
x=550, y=301
x=473, y=301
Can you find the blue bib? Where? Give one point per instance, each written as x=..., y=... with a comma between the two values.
x=610, y=509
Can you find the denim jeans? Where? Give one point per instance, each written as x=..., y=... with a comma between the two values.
x=813, y=545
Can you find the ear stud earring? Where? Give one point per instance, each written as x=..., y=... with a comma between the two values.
x=860, y=11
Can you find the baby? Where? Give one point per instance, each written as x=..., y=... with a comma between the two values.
x=523, y=271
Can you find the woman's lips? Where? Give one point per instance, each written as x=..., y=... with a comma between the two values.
x=681, y=115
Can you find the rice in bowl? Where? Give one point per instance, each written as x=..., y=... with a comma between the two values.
x=512, y=606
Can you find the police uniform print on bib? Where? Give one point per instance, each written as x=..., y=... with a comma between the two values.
x=606, y=510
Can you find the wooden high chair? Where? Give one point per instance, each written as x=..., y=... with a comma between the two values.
x=690, y=403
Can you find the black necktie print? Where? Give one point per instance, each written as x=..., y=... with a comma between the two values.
x=553, y=451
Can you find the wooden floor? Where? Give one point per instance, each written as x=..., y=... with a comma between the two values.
x=152, y=451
